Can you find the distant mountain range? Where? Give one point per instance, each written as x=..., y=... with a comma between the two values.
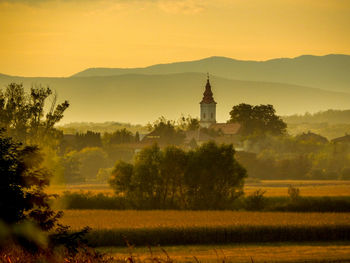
x=140, y=95
x=331, y=72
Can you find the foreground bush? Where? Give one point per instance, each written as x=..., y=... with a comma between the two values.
x=28, y=225
x=313, y=204
x=23, y=180
x=256, y=201
x=16, y=254
x=92, y=201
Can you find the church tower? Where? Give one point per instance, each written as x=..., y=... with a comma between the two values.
x=208, y=107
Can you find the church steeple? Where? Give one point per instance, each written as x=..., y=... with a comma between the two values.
x=208, y=106
x=208, y=94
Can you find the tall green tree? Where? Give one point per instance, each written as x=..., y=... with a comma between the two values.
x=156, y=180
x=22, y=182
x=88, y=139
x=208, y=177
x=119, y=137
x=257, y=120
x=90, y=160
x=214, y=178
x=148, y=181
x=122, y=179
x=173, y=167
x=167, y=132
x=71, y=165
x=188, y=123
x=22, y=114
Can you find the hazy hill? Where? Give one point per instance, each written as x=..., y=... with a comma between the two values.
x=142, y=98
x=329, y=116
x=329, y=72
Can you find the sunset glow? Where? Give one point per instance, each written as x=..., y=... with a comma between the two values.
x=61, y=37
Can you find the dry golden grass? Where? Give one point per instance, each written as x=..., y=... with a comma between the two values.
x=243, y=253
x=272, y=187
x=132, y=219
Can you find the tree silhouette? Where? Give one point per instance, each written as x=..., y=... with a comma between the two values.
x=257, y=120
x=205, y=178
x=21, y=114
x=22, y=183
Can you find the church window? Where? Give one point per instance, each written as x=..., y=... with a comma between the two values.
x=203, y=115
x=212, y=115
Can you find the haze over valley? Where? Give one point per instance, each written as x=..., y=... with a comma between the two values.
x=140, y=95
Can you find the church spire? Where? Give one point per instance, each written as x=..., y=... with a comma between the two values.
x=208, y=94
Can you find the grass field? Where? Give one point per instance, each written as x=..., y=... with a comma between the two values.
x=112, y=228
x=272, y=188
x=270, y=252
x=133, y=219
x=225, y=236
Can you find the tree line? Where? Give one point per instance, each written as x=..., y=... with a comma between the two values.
x=265, y=147
x=204, y=178
x=328, y=116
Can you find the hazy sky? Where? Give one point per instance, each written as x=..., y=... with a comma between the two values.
x=62, y=37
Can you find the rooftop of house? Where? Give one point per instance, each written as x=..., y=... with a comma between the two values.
x=345, y=139
x=310, y=136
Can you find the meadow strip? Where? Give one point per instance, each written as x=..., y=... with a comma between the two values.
x=132, y=219
x=217, y=235
x=246, y=253
x=273, y=188
x=90, y=200
x=113, y=228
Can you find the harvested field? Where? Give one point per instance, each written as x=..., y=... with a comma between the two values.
x=268, y=252
x=135, y=219
x=112, y=228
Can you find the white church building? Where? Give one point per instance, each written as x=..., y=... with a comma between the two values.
x=208, y=114
x=208, y=107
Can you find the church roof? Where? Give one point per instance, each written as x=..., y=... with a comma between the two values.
x=208, y=94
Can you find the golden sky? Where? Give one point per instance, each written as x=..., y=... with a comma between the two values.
x=62, y=37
